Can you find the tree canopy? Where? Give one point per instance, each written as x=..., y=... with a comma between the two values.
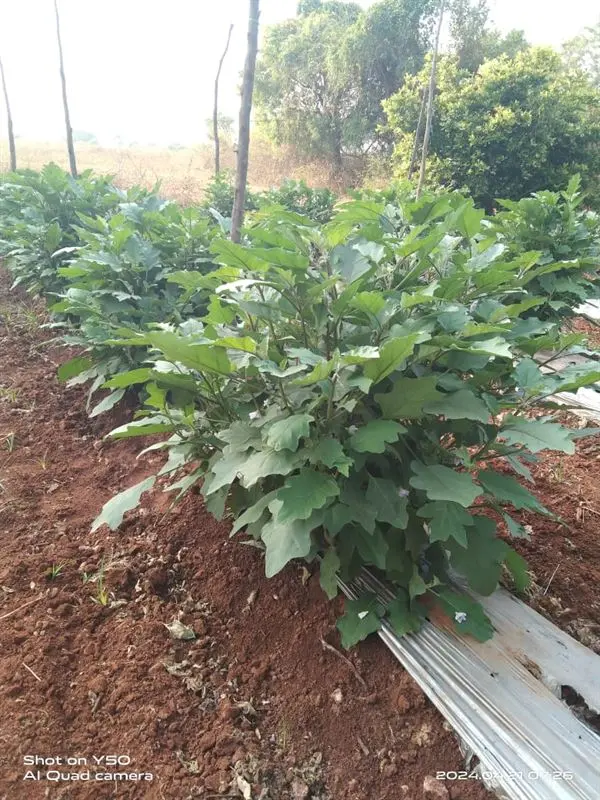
x=474, y=40
x=583, y=52
x=514, y=127
x=322, y=77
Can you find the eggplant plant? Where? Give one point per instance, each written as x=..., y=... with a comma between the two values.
x=361, y=394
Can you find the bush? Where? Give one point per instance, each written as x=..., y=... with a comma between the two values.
x=517, y=126
x=355, y=396
x=38, y=212
x=296, y=196
x=317, y=204
x=555, y=225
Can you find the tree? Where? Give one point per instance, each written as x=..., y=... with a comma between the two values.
x=10, y=131
x=244, y=125
x=63, y=81
x=388, y=42
x=216, y=106
x=430, y=101
x=583, y=52
x=322, y=76
x=302, y=97
x=474, y=41
x=515, y=127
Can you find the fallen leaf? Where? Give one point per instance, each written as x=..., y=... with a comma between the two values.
x=180, y=631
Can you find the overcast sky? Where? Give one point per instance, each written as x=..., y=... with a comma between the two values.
x=144, y=69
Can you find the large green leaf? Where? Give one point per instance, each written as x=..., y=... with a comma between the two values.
x=320, y=372
x=285, y=540
x=517, y=566
x=481, y=561
x=108, y=402
x=265, y=463
x=496, y=346
x=373, y=437
x=240, y=436
x=328, y=573
x=254, y=513
x=388, y=501
x=131, y=378
x=392, y=354
x=352, y=510
x=331, y=453
x=302, y=494
x=507, y=490
x=537, y=436
x=281, y=257
x=200, y=357
x=143, y=427
x=528, y=375
x=74, y=367
x=446, y=519
x=408, y=397
x=286, y=433
x=372, y=547
x=460, y=405
x=349, y=262
x=361, y=618
x=443, y=483
x=402, y=619
x=467, y=614
x=113, y=512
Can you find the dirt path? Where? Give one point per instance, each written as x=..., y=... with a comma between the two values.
x=254, y=694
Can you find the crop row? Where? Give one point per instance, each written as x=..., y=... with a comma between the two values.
x=353, y=389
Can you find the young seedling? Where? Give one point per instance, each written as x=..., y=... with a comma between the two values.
x=43, y=460
x=101, y=596
x=55, y=571
x=10, y=394
x=9, y=442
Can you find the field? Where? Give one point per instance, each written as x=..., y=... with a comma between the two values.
x=183, y=173
x=200, y=441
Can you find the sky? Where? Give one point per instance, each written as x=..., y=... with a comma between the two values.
x=143, y=70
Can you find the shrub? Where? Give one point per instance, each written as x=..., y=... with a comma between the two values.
x=555, y=225
x=355, y=396
x=296, y=196
x=220, y=194
x=38, y=212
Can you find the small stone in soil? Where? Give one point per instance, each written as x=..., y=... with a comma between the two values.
x=434, y=789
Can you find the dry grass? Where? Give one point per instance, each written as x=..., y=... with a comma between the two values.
x=183, y=174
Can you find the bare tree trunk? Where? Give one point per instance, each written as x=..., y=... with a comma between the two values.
x=336, y=147
x=216, y=107
x=430, y=97
x=244, y=125
x=11, y=134
x=70, y=147
x=415, y=151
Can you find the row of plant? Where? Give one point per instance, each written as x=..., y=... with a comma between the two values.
x=356, y=393
x=106, y=258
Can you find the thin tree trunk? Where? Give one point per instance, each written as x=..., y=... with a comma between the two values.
x=11, y=134
x=244, y=125
x=216, y=107
x=430, y=98
x=69, y=130
x=415, y=151
x=336, y=147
